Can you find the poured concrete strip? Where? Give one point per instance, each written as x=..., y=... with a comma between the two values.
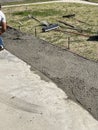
x=80, y=1
x=29, y=103
x=52, y=2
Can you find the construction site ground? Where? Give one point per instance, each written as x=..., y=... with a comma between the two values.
x=43, y=86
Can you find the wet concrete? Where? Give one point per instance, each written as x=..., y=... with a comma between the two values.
x=77, y=76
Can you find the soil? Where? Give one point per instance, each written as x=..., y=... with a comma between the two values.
x=75, y=75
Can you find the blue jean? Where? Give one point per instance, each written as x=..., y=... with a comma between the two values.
x=1, y=41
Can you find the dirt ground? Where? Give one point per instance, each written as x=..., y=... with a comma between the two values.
x=77, y=76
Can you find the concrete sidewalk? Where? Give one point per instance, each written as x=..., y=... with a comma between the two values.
x=58, y=1
x=29, y=103
x=80, y=1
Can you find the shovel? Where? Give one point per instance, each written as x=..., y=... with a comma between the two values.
x=43, y=23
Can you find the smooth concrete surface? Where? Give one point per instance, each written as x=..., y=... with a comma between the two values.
x=58, y=1
x=29, y=103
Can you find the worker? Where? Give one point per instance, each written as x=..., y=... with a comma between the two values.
x=2, y=27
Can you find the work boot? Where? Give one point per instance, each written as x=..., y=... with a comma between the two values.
x=1, y=47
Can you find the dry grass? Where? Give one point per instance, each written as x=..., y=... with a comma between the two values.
x=54, y=12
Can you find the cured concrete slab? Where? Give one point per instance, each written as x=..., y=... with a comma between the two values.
x=29, y=103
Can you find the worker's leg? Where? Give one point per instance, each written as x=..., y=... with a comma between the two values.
x=1, y=44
